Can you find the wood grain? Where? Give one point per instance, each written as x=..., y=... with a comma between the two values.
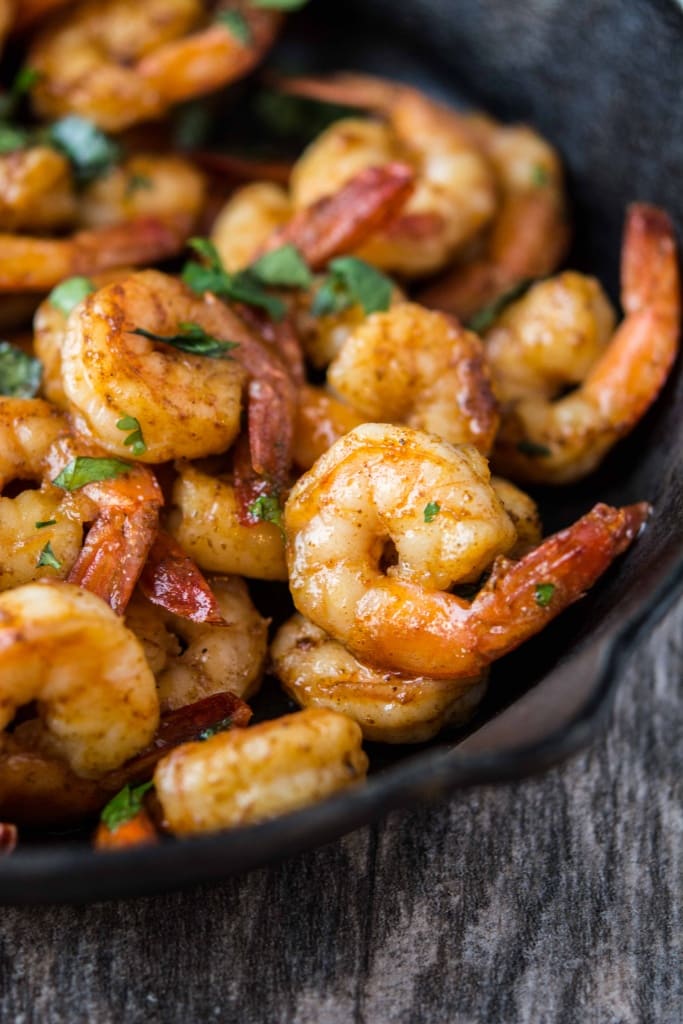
x=554, y=900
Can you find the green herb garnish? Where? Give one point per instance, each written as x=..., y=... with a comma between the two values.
x=237, y=24
x=90, y=152
x=212, y=730
x=66, y=295
x=431, y=511
x=279, y=5
x=267, y=509
x=533, y=449
x=85, y=470
x=137, y=182
x=284, y=267
x=124, y=806
x=539, y=175
x=135, y=441
x=487, y=315
x=194, y=339
x=12, y=138
x=351, y=282
x=20, y=374
x=211, y=276
x=24, y=81
x=48, y=557
x=544, y=593
x=42, y=523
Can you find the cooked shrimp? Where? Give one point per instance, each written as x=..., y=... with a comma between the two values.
x=63, y=647
x=34, y=521
x=411, y=365
x=36, y=190
x=7, y=16
x=454, y=195
x=558, y=440
x=247, y=220
x=32, y=11
x=206, y=521
x=171, y=580
x=245, y=776
x=523, y=511
x=118, y=62
x=382, y=490
x=321, y=419
x=530, y=234
x=186, y=405
x=34, y=264
x=317, y=671
x=194, y=660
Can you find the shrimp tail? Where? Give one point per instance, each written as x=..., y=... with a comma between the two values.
x=342, y=222
x=8, y=838
x=139, y=830
x=171, y=580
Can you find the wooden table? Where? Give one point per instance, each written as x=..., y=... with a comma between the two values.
x=554, y=900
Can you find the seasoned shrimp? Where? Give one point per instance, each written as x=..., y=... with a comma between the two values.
x=118, y=62
x=530, y=234
x=249, y=775
x=33, y=521
x=523, y=511
x=317, y=671
x=194, y=660
x=247, y=220
x=556, y=440
x=206, y=521
x=321, y=419
x=186, y=405
x=63, y=647
x=454, y=195
x=411, y=365
x=36, y=190
x=385, y=492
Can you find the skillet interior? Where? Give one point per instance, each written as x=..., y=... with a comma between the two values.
x=603, y=82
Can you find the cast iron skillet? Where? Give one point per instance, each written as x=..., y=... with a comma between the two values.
x=604, y=83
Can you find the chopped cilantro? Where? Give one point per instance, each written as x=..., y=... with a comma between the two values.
x=137, y=182
x=533, y=449
x=236, y=23
x=135, y=441
x=90, y=152
x=48, y=557
x=42, y=523
x=85, y=470
x=20, y=374
x=66, y=295
x=487, y=315
x=193, y=339
x=431, y=511
x=279, y=5
x=284, y=267
x=124, y=806
x=267, y=509
x=351, y=282
x=544, y=593
x=539, y=175
x=23, y=82
x=12, y=138
x=211, y=730
x=211, y=276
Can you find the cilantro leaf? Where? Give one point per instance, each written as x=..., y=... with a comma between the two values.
x=487, y=315
x=90, y=152
x=193, y=339
x=533, y=449
x=42, y=523
x=137, y=182
x=67, y=294
x=539, y=175
x=124, y=806
x=20, y=374
x=85, y=470
x=212, y=730
x=211, y=276
x=48, y=557
x=236, y=23
x=12, y=138
x=279, y=5
x=135, y=441
x=544, y=593
x=351, y=282
x=267, y=508
x=284, y=267
x=23, y=82
x=431, y=511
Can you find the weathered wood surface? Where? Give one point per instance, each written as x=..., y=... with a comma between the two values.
x=555, y=900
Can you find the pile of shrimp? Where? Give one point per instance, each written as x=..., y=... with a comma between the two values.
x=367, y=354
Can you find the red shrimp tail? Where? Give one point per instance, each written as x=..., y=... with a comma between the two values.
x=172, y=580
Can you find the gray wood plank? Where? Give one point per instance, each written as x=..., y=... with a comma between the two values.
x=553, y=900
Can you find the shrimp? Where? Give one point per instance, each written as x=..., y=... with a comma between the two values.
x=63, y=647
x=33, y=521
x=194, y=660
x=34, y=264
x=186, y=405
x=247, y=220
x=385, y=493
x=556, y=440
x=321, y=419
x=205, y=519
x=530, y=234
x=454, y=195
x=246, y=776
x=523, y=511
x=7, y=16
x=36, y=190
x=118, y=62
x=411, y=365
x=317, y=671
x=32, y=11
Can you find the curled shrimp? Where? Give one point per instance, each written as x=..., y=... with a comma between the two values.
x=385, y=493
x=33, y=521
x=249, y=775
x=63, y=647
x=530, y=234
x=36, y=190
x=193, y=660
x=454, y=194
x=556, y=440
x=411, y=365
x=118, y=62
x=317, y=671
x=186, y=405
